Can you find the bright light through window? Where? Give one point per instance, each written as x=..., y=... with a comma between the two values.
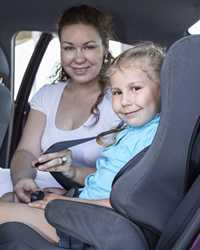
x=195, y=28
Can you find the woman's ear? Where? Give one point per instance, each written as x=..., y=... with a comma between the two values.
x=105, y=54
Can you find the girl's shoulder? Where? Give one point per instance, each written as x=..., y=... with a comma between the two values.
x=144, y=132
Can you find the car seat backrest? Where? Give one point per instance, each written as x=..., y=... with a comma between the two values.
x=4, y=67
x=184, y=224
x=193, y=161
x=5, y=97
x=148, y=192
x=5, y=110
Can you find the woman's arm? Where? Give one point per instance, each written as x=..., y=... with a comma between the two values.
x=27, y=151
x=29, y=147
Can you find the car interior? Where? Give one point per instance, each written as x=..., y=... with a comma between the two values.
x=155, y=197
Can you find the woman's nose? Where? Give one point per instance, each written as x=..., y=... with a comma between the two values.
x=79, y=55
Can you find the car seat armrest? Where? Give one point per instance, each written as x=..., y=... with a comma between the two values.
x=84, y=223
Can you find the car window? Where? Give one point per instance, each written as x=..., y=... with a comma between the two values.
x=195, y=28
x=25, y=43
x=24, y=46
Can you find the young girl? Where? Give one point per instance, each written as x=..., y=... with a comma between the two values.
x=135, y=82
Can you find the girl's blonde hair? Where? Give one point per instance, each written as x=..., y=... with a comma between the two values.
x=153, y=55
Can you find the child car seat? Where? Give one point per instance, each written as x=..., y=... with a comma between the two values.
x=151, y=186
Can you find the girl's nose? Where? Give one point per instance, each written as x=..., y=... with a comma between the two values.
x=126, y=99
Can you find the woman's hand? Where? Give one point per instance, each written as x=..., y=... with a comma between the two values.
x=58, y=162
x=62, y=162
x=41, y=204
x=23, y=189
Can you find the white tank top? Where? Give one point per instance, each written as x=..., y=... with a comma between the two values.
x=47, y=99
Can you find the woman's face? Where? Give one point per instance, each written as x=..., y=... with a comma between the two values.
x=82, y=52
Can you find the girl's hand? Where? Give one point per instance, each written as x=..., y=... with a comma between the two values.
x=58, y=162
x=41, y=204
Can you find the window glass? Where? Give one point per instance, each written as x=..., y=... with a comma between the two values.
x=25, y=43
x=195, y=28
x=47, y=70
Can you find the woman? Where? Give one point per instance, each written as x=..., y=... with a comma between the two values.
x=75, y=107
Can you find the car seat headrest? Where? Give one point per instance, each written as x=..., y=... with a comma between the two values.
x=4, y=67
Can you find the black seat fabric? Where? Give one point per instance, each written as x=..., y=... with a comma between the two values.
x=5, y=111
x=98, y=227
x=17, y=236
x=5, y=98
x=185, y=222
x=4, y=67
x=146, y=192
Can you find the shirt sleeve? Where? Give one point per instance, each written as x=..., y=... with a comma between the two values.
x=39, y=100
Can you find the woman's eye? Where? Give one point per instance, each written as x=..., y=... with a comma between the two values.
x=68, y=48
x=116, y=92
x=89, y=47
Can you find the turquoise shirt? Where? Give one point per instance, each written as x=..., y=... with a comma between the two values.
x=129, y=142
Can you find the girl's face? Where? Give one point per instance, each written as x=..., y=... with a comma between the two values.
x=135, y=97
x=82, y=52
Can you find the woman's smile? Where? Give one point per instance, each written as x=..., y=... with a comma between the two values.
x=80, y=70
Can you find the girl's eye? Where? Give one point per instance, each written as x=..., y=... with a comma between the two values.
x=136, y=88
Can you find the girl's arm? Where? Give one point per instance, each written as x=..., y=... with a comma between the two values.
x=49, y=197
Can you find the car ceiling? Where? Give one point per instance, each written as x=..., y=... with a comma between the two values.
x=156, y=20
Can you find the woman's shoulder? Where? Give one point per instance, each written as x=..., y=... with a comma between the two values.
x=47, y=95
x=50, y=89
x=53, y=86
